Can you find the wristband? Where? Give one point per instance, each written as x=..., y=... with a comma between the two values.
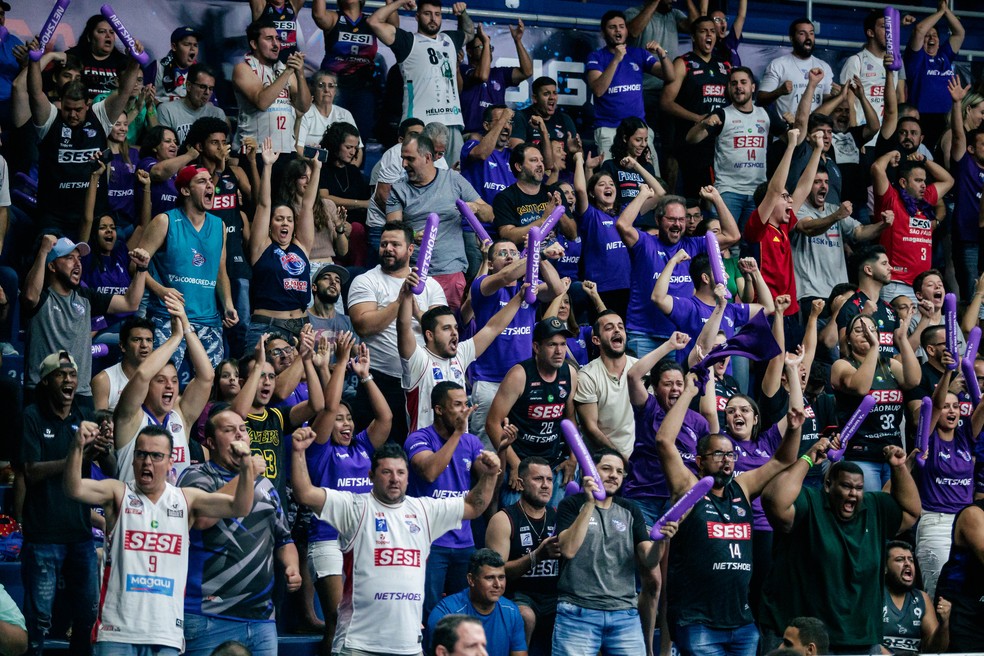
x=141, y=269
x=808, y=459
x=532, y=561
x=366, y=379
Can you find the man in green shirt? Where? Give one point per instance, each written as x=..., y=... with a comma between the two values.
x=830, y=548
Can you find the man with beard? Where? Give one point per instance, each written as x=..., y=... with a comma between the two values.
x=699, y=86
x=868, y=65
x=429, y=190
x=602, y=398
x=646, y=326
x=602, y=546
x=741, y=132
x=60, y=311
x=58, y=530
x=385, y=537
x=428, y=62
x=142, y=601
x=136, y=343
x=483, y=599
x=785, y=79
x=485, y=162
x=909, y=241
x=543, y=104
x=818, y=239
x=525, y=535
x=911, y=624
x=323, y=315
x=374, y=303
x=529, y=201
x=533, y=398
x=713, y=548
x=844, y=528
x=180, y=113
x=188, y=247
x=874, y=272
x=270, y=93
x=930, y=67
x=442, y=358
x=615, y=73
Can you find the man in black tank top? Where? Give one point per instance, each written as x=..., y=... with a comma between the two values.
x=911, y=624
x=525, y=535
x=534, y=397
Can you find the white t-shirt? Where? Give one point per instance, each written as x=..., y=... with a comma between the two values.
x=314, y=124
x=871, y=70
x=389, y=170
x=615, y=418
x=385, y=548
x=4, y=183
x=790, y=67
x=374, y=286
x=423, y=371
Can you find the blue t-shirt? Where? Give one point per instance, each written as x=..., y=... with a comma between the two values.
x=488, y=177
x=454, y=481
x=690, y=314
x=928, y=78
x=578, y=346
x=503, y=626
x=605, y=257
x=477, y=97
x=337, y=467
x=648, y=257
x=513, y=345
x=624, y=95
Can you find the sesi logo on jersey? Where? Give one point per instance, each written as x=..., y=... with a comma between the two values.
x=749, y=141
x=168, y=543
x=723, y=531
x=397, y=558
x=224, y=202
x=546, y=411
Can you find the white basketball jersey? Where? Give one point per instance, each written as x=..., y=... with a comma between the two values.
x=429, y=73
x=175, y=425
x=117, y=381
x=277, y=121
x=739, y=156
x=142, y=599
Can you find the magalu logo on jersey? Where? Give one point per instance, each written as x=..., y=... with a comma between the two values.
x=292, y=263
x=150, y=584
x=197, y=259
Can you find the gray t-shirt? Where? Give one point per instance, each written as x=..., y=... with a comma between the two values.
x=438, y=196
x=819, y=261
x=177, y=115
x=601, y=575
x=63, y=323
x=661, y=28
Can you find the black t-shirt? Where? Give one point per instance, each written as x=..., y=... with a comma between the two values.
x=99, y=76
x=346, y=182
x=820, y=413
x=512, y=207
x=560, y=125
x=50, y=517
x=884, y=317
x=627, y=184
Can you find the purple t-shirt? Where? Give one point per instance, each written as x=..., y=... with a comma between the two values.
x=928, y=78
x=646, y=479
x=454, y=481
x=515, y=344
x=475, y=98
x=752, y=454
x=337, y=467
x=578, y=346
x=648, y=257
x=488, y=177
x=946, y=482
x=107, y=274
x=163, y=195
x=726, y=49
x=624, y=95
x=690, y=314
x=606, y=259
x=122, y=187
x=969, y=183
x=568, y=265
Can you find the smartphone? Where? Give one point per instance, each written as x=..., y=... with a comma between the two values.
x=316, y=153
x=106, y=156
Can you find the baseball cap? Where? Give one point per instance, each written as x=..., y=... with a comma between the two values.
x=186, y=175
x=64, y=246
x=56, y=361
x=550, y=327
x=184, y=31
x=340, y=271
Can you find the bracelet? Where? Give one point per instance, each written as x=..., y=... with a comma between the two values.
x=141, y=269
x=366, y=379
x=808, y=459
x=532, y=560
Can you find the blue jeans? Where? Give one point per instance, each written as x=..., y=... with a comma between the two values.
x=121, y=649
x=204, y=633
x=700, y=640
x=965, y=263
x=581, y=631
x=447, y=571
x=876, y=474
x=41, y=565
x=238, y=345
x=741, y=207
x=639, y=344
x=375, y=235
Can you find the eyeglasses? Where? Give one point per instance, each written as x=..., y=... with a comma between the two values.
x=279, y=352
x=326, y=85
x=204, y=87
x=506, y=253
x=718, y=456
x=155, y=456
x=723, y=21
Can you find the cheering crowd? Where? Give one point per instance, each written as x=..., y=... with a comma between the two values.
x=254, y=385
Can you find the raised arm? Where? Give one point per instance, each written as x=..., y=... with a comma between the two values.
x=196, y=393
x=259, y=238
x=661, y=289
x=772, y=379
x=624, y=224
x=218, y=504
x=904, y=489
x=879, y=171
x=571, y=538
x=679, y=478
x=86, y=490
x=958, y=135
x=754, y=482
x=780, y=494
x=942, y=179
x=486, y=146
x=844, y=377
x=304, y=491
x=304, y=224
x=777, y=185
x=325, y=420
x=380, y=20
x=805, y=183
x=315, y=403
x=599, y=81
x=243, y=402
x=406, y=342
x=525, y=69
x=488, y=468
x=499, y=321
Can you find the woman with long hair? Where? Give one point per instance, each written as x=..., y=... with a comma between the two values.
x=331, y=228
x=342, y=182
x=159, y=157
x=631, y=165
